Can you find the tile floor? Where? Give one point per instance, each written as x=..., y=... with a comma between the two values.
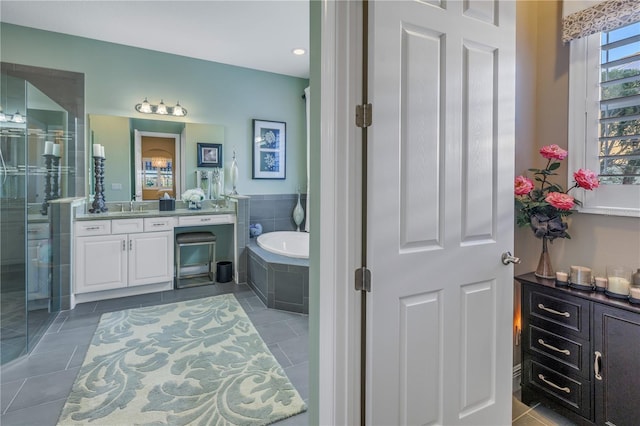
x=537, y=415
x=34, y=389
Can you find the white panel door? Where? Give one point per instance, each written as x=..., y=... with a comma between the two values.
x=440, y=212
x=150, y=258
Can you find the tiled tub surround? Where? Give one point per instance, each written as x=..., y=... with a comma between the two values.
x=275, y=211
x=281, y=282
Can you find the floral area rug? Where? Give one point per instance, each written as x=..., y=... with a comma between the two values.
x=199, y=362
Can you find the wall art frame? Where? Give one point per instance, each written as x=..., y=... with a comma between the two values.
x=209, y=154
x=269, y=149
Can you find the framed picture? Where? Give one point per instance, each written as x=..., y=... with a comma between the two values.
x=269, y=149
x=209, y=155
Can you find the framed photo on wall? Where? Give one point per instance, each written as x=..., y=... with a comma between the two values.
x=209, y=155
x=269, y=149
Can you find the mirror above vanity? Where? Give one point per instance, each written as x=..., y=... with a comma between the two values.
x=146, y=158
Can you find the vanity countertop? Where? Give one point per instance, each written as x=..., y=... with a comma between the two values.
x=154, y=213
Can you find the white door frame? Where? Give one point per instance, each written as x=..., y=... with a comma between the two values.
x=338, y=213
x=179, y=160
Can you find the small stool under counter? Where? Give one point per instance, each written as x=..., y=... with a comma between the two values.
x=580, y=353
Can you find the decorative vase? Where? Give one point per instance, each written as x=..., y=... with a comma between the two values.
x=233, y=172
x=195, y=205
x=545, y=270
x=298, y=214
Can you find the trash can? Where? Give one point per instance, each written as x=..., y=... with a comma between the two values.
x=224, y=271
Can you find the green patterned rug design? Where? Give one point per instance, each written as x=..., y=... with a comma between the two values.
x=199, y=362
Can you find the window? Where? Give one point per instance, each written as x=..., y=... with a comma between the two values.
x=604, y=118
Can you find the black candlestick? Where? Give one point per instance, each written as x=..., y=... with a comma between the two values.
x=48, y=160
x=99, y=203
x=55, y=177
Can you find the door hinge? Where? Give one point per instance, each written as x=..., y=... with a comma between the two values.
x=363, y=279
x=363, y=115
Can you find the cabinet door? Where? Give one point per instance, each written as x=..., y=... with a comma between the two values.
x=101, y=263
x=150, y=258
x=617, y=339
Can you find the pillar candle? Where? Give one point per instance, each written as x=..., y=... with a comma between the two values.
x=96, y=149
x=48, y=148
x=56, y=150
x=581, y=275
x=635, y=292
x=618, y=285
x=562, y=276
x=102, y=151
x=601, y=282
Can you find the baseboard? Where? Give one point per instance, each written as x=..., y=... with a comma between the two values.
x=517, y=373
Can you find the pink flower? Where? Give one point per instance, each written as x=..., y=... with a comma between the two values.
x=553, y=152
x=560, y=200
x=523, y=185
x=586, y=179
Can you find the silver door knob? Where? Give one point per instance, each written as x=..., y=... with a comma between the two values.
x=508, y=258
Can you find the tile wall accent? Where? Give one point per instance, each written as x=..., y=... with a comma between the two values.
x=279, y=281
x=61, y=214
x=242, y=235
x=275, y=212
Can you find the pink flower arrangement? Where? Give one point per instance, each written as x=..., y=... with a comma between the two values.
x=544, y=208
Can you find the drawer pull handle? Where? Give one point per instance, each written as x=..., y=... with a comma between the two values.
x=553, y=385
x=158, y=224
x=553, y=311
x=124, y=245
x=92, y=228
x=553, y=348
x=205, y=220
x=597, y=366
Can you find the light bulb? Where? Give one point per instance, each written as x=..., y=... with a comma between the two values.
x=17, y=117
x=145, y=107
x=178, y=110
x=161, y=109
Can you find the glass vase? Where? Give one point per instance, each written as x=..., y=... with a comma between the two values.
x=545, y=270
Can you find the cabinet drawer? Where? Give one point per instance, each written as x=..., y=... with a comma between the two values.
x=126, y=226
x=92, y=227
x=38, y=231
x=159, y=224
x=205, y=220
x=571, y=353
x=558, y=315
x=572, y=393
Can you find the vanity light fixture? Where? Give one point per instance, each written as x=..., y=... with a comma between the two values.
x=146, y=108
x=298, y=51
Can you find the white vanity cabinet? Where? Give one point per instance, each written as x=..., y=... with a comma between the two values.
x=122, y=253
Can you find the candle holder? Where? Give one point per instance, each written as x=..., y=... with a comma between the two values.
x=55, y=177
x=48, y=194
x=99, y=203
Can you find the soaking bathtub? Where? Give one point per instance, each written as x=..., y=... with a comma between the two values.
x=286, y=243
x=280, y=280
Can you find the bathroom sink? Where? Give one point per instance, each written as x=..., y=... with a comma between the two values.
x=133, y=213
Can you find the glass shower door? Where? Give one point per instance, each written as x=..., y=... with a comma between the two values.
x=13, y=208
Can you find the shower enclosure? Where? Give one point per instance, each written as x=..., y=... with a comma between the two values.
x=41, y=128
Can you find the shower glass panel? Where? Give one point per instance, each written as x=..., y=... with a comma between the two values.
x=38, y=154
x=13, y=209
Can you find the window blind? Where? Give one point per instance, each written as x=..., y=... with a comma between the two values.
x=619, y=134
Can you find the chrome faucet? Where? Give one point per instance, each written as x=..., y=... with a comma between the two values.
x=131, y=203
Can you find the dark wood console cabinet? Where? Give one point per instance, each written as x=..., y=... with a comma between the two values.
x=580, y=353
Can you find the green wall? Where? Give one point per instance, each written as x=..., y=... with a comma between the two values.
x=117, y=77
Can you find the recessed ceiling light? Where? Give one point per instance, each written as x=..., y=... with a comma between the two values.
x=298, y=51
